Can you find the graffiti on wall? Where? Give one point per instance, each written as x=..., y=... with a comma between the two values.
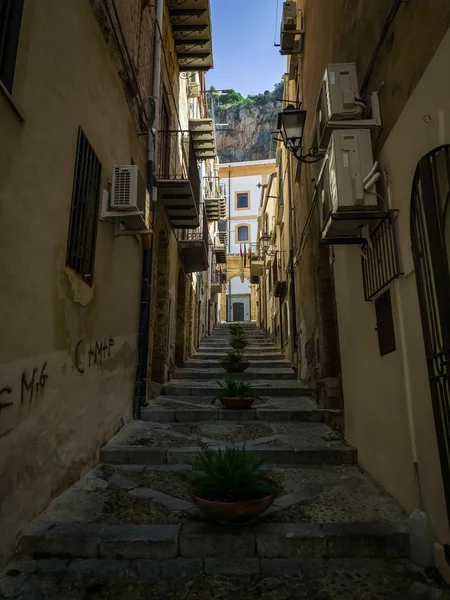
x=31, y=383
x=96, y=354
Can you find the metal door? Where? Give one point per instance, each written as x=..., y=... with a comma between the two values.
x=238, y=311
x=430, y=237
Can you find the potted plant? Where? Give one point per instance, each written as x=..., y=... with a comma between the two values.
x=235, y=394
x=236, y=328
x=234, y=362
x=229, y=485
x=238, y=341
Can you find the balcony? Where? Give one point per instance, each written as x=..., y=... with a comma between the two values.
x=215, y=203
x=216, y=282
x=203, y=136
x=191, y=28
x=178, y=179
x=193, y=248
x=220, y=252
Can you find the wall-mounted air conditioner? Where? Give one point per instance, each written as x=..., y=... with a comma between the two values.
x=339, y=104
x=292, y=29
x=129, y=202
x=346, y=188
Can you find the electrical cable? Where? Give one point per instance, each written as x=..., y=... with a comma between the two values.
x=276, y=23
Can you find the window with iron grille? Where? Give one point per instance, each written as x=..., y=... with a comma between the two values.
x=385, y=323
x=10, y=20
x=84, y=211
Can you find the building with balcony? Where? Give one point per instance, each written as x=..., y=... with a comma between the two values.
x=106, y=188
x=241, y=183
x=367, y=276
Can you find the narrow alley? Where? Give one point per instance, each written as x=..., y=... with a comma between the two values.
x=129, y=529
x=224, y=300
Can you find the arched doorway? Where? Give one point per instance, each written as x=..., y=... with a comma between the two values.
x=430, y=237
x=238, y=300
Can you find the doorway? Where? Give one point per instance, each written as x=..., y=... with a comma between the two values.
x=238, y=311
x=430, y=237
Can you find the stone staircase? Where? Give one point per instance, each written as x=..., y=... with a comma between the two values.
x=129, y=530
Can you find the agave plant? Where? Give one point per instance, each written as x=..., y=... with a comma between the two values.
x=232, y=388
x=232, y=357
x=230, y=475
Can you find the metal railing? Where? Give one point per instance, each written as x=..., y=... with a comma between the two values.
x=380, y=260
x=198, y=234
x=177, y=159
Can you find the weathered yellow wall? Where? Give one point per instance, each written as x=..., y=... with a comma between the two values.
x=67, y=358
x=377, y=388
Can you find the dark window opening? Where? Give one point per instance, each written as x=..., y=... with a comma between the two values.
x=242, y=200
x=84, y=210
x=385, y=323
x=10, y=20
x=243, y=234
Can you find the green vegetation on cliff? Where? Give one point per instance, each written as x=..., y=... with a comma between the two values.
x=230, y=98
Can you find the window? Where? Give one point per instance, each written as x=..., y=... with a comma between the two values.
x=84, y=211
x=10, y=19
x=242, y=200
x=242, y=233
x=385, y=323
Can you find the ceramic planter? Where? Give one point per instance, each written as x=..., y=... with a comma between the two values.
x=237, y=402
x=238, y=367
x=234, y=512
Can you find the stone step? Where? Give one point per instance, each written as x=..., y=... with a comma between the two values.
x=249, y=375
x=226, y=578
x=262, y=388
x=206, y=540
x=294, y=443
x=191, y=409
x=250, y=354
x=196, y=363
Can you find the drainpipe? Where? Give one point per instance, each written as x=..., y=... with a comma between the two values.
x=229, y=310
x=293, y=343
x=140, y=387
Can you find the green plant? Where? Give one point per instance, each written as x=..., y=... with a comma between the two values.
x=236, y=328
x=238, y=337
x=232, y=357
x=230, y=475
x=233, y=388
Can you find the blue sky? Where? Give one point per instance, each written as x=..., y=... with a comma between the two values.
x=245, y=58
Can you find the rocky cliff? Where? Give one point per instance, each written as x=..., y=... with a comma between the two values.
x=250, y=124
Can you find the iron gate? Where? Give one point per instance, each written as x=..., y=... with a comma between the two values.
x=430, y=237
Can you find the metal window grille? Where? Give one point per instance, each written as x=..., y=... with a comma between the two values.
x=380, y=262
x=84, y=211
x=10, y=20
x=385, y=323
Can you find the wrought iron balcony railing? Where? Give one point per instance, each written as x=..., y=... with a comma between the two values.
x=177, y=161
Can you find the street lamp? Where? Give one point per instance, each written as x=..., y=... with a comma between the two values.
x=264, y=241
x=291, y=124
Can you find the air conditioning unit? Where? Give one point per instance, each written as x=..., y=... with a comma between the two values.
x=289, y=15
x=291, y=37
x=193, y=90
x=129, y=203
x=346, y=187
x=338, y=99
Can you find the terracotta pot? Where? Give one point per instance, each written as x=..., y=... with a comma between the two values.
x=234, y=512
x=238, y=345
x=236, y=402
x=236, y=367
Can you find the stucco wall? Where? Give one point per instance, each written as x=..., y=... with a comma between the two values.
x=67, y=358
x=378, y=389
